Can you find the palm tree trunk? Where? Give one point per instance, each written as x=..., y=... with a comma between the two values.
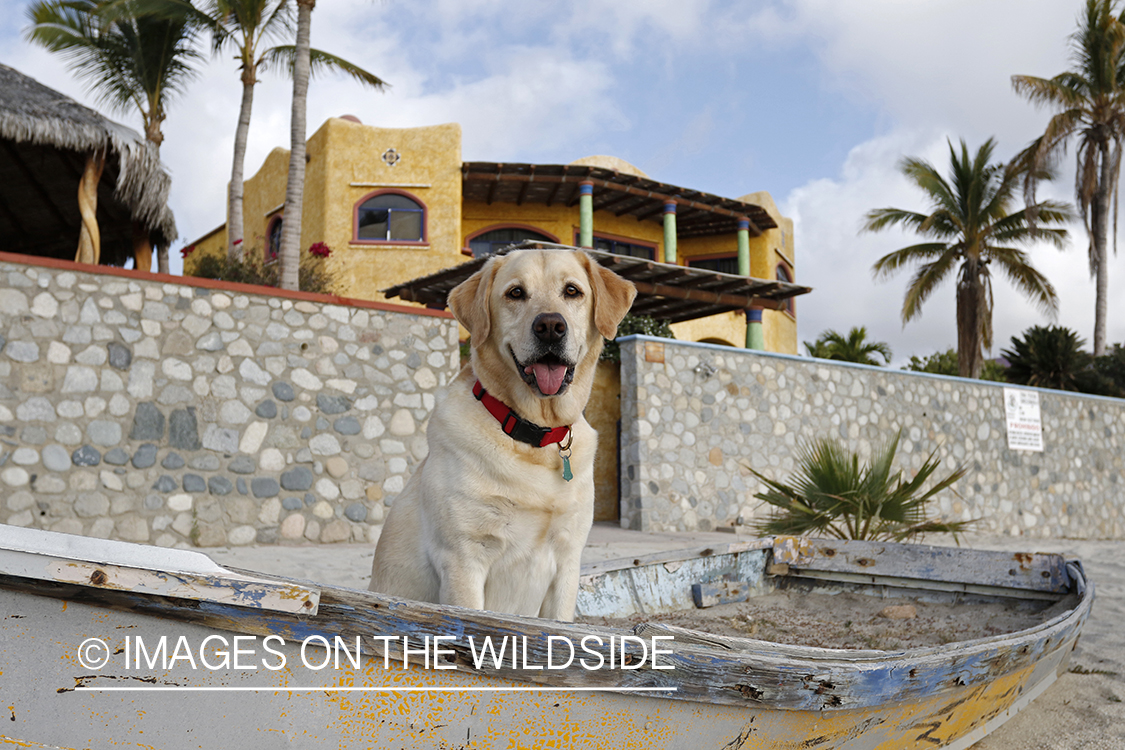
x=155, y=136
x=295, y=188
x=234, y=198
x=970, y=307
x=1099, y=246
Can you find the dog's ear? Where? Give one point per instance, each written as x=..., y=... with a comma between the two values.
x=469, y=302
x=613, y=296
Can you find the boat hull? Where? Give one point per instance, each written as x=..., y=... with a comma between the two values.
x=307, y=689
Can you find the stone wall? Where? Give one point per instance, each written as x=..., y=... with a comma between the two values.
x=694, y=416
x=187, y=412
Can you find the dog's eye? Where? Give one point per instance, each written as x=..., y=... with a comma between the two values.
x=516, y=292
x=572, y=291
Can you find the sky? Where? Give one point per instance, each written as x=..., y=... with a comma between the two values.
x=814, y=101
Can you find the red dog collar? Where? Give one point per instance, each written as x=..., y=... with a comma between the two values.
x=516, y=426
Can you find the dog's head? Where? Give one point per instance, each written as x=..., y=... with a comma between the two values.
x=537, y=319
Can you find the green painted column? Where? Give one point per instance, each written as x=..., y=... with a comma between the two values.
x=743, y=247
x=585, y=214
x=755, y=334
x=670, y=232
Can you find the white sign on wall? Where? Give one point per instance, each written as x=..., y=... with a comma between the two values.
x=1025, y=429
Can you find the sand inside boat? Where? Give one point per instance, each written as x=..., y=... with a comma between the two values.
x=851, y=621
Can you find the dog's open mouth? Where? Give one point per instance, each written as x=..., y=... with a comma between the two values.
x=549, y=374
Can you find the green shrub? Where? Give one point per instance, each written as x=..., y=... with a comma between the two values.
x=1052, y=357
x=945, y=363
x=636, y=324
x=1111, y=366
x=312, y=273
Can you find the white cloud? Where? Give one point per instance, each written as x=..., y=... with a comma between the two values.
x=836, y=259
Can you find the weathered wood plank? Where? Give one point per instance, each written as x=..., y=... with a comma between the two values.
x=673, y=556
x=1019, y=570
x=664, y=582
x=108, y=564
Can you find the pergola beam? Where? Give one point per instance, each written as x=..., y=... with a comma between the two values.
x=702, y=295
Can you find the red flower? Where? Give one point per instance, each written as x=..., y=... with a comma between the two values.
x=320, y=250
x=185, y=252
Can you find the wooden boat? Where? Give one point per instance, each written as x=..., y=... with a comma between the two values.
x=113, y=644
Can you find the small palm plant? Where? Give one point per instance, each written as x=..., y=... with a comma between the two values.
x=832, y=494
x=1047, y=357
x=851, y=348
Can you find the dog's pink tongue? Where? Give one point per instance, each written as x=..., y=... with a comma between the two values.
x=549, y=377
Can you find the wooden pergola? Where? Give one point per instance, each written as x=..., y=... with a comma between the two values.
x=698, y=214
x=74, y=184
x=664, y=291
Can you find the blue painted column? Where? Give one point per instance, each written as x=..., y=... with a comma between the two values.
x=585, y=214
x=755, y=334
x=743, y=247
x=670, y=232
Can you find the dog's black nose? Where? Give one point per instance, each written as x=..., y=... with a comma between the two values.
x=549, y=327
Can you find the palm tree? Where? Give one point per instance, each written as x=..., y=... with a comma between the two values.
x=854, y=348
x=971, y=229
x=1090, y=104
x=247, y=26
x=289, y=253
x=131, y=60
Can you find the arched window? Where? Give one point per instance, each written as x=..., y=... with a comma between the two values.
x=491, y=240
x=273, y=239
x=785, y=275
x=390, y=216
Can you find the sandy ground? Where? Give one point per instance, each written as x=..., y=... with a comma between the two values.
x=849, y=621
x=1084, y=710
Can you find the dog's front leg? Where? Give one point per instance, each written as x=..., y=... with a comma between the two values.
x=558, y=603
x=462, y=582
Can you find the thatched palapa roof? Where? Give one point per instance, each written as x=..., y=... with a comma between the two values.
x=44, y=140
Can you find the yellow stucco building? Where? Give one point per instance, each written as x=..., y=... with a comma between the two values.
x=396, y=204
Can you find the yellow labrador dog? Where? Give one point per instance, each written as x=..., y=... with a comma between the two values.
x=497, y=514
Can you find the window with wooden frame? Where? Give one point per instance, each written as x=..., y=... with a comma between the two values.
x=389, y=217
x=491, y=239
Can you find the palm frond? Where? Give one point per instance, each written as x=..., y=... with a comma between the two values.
x=1061, y=91
x=1017, y=268
x=283, y=57
x=892, y=262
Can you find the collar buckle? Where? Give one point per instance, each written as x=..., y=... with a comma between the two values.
x=524, y=431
